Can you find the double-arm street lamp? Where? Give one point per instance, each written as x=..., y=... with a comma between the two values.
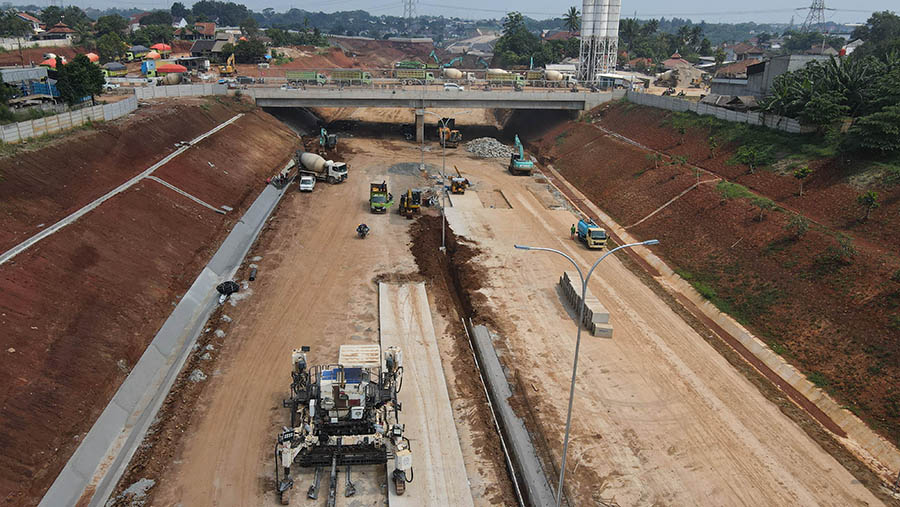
x=579, y=324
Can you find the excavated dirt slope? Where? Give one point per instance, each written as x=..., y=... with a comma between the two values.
x=832, y=312
x=78, y=308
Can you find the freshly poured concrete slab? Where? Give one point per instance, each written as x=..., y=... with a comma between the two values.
x=469, y=200
x=438, y=467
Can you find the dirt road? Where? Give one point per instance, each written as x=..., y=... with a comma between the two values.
x=315, y=287
x=660, y=417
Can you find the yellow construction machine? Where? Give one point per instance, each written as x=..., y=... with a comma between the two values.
x=458, y=184
x=410, y=203
x=447, y=133
x=228, y=69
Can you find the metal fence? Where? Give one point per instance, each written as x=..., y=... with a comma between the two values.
x=753, y=118
x=17, y=132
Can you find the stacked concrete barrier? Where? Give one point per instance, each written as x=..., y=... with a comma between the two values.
x=596, y=316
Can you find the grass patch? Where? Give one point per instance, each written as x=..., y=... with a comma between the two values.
x=819, y=379
x=894, y=323
x=780, y=349
x=733, y=190
x=560, y=139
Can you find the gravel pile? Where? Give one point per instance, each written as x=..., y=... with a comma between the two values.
x=488, y=147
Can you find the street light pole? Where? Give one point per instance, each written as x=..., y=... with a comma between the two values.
x=443, y=122
x=584, y=283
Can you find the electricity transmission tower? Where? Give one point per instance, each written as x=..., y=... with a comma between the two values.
x=409, y=9
x=815, y=17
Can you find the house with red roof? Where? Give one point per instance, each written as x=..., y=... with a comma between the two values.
x=676, y=61
x=60, y=31
x=31, y=20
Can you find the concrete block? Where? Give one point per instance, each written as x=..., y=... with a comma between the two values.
x=602, y=330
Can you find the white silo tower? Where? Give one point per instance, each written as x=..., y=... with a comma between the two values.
x=599, y=38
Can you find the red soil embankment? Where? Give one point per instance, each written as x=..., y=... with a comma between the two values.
x=78, y=309
x=834, y=316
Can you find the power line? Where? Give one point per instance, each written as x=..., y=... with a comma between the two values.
x=815, y=16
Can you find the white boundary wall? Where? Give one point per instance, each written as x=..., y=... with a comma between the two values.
x=17, y=132
x=12, y=43
x=753, y=118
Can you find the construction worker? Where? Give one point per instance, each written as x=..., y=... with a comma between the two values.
x=572, y=232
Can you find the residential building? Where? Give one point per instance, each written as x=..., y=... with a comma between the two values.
x=676, y=61
x=60, y=31
x=760, y=76
x=31, y=20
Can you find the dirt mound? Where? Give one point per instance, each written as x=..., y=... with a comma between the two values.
x=42, y=186
x=79, y=308
x=383, y=54
x=828, y=305
x=29, y=56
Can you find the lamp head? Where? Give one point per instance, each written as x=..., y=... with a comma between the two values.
x=650, y=242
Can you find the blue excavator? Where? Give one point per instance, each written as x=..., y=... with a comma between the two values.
x=518, y=164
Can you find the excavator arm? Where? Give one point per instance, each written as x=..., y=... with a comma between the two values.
x=520, y=148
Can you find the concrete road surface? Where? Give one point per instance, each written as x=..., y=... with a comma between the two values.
x=660, y=417
x=438, y=466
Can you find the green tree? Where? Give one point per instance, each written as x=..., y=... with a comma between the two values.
x=763, y=204
x=158, y=33
x=868, y=201
x=110, y=24
x=713, y=143
x=13, y=26
x=110, y=47
x=517, y=45
x=881, y=35
x=157, y=18
x=801, y=173
x=797, y=225
x=178, y=10
x=572, y=19
x=720, y=58
x=656, y=158
x=250, y=28
x=249, y=51
x=751, y=156
x=823, y=109
x=78, y=79
x=878, y=131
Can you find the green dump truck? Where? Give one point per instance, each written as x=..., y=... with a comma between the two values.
x=413, y=76
x=306, y=77
x=379, y=198
x=350, y=77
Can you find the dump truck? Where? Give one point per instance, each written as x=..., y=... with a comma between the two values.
x=379, y=198
x=413, y=76
x=518, y=164
x=321, y=169
x=504, y=78
x=410, y=203
x=591, y=234
x=343, y=415
x=347, y=76
x=305, y=77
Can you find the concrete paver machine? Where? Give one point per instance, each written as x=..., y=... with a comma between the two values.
x=343, y=415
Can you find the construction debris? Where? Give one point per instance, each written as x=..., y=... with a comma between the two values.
x=197, y=376
x=488, y=147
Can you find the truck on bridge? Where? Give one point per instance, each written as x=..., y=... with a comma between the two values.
x=342, y=76
x=413, y=76
x=496, y=78
x=307, y=77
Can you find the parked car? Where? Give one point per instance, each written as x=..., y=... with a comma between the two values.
x=453, y=87
x=110, y=86
x=307, y=183
x=245, y=80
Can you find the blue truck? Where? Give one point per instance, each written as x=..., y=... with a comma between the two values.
x=591, y=234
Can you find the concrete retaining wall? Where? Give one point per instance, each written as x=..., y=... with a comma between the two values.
x=753, y=118
x=103, y=455
x=13, y=43
x=596, y=316
x=17, y=132
x=524, y=457
x=187, y=90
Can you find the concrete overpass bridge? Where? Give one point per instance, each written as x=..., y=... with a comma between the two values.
x=422, y=98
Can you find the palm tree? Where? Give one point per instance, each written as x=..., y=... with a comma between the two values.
x=572, y=19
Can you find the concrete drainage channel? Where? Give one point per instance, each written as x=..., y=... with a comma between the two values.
x=96, y=466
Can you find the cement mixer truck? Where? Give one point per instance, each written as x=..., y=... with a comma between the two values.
x=548, y=78
x=323, y=170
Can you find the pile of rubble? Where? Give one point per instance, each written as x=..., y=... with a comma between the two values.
x=488, y=147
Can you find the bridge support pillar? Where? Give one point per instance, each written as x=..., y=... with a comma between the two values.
x=420, y=125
